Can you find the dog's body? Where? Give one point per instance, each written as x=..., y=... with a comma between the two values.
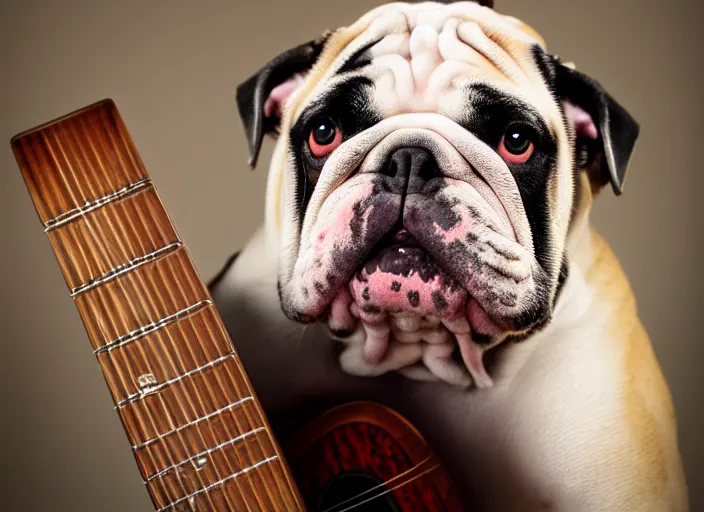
x=576, y=415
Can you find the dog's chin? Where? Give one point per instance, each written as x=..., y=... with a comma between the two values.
x=401, y=294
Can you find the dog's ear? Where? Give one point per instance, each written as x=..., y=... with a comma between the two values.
x=603, y=127
x=261, y=99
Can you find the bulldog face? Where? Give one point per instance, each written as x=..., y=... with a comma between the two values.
x=422, y=189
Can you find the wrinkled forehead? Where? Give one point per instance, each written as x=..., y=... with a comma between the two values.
x=404, y=18
x=440, y=44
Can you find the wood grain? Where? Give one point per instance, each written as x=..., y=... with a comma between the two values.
x=198, y=432
x=370, y=439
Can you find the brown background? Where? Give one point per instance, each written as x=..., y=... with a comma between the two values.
x=172, y=66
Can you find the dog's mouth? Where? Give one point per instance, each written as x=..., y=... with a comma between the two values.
x=401, y=276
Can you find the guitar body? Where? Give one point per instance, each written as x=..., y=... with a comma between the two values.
x=365, y=457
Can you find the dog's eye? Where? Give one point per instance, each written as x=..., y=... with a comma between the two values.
x=325, y=137
x=516, y=146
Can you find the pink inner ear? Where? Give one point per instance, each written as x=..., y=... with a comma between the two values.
x=276, y=101
x=581, y=120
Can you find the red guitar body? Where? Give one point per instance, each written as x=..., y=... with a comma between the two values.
x=367, y=458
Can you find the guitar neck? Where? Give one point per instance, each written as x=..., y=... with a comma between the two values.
x=197, y=430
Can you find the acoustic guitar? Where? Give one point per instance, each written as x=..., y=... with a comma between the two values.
x=197, y=430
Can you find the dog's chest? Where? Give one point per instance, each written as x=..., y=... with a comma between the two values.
x=495, y=442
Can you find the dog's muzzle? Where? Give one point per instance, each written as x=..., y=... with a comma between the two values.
x=419, y=219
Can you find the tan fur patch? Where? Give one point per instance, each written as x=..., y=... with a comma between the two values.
x=528, y=30
x=650, y=470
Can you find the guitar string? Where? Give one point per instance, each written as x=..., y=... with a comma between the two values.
x=161, y=362
x=179, y=326
x=108, y=254
x=382, y=484
x=387, y=491
x=50, y=155
x=54, y=186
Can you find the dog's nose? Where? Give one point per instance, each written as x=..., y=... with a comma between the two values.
x=410, y=168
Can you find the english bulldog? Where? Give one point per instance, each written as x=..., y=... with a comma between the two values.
x=427, y=245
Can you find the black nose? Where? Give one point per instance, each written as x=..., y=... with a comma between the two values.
x=410, y=168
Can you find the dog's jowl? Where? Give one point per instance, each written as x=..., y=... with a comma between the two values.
x=427, y=204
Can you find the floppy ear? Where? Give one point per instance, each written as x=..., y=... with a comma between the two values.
x=262, y=97
x=606, y=129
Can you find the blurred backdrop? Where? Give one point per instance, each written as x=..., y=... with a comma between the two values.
x=172, y=67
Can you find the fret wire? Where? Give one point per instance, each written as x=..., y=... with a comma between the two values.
x=219, y=482
x=89, y=206
x=156, y=302
x=58, y=167
x=87, y=258
x=140, y=214
x=150, y=207
x=132, y=336
x=135, y=397
x=237, y=386
x=52, y=182
x=121, y=240
x=197, y=456
x=268, y=495
x=107, y=249
x=161, y=298
x=55, y=158
x=161, y=437
x=239, y=426
x=125, y=268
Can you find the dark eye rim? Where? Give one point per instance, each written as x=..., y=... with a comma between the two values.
x=530, y=133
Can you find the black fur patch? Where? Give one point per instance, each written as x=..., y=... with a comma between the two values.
x=359, y=59
x=546, y=64
x=349, y=105
x=562, y=278
x=492, y=111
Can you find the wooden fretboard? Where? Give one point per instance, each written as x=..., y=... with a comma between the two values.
x=197, y=430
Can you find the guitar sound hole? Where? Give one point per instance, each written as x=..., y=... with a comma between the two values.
x=350, y=486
